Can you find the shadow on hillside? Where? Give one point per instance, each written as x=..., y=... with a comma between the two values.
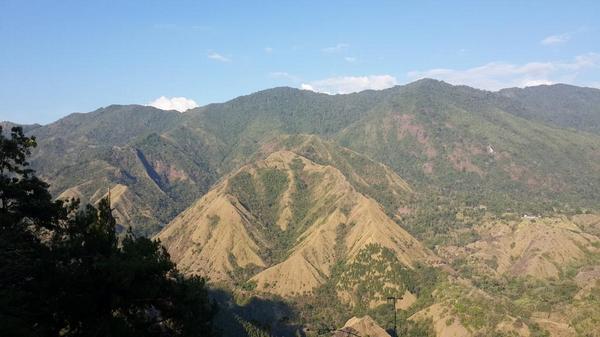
x=273, y=316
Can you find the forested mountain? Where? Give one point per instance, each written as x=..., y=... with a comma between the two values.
x=560, y=105
x=458, y=199
x=448, y=140
x=151, y=162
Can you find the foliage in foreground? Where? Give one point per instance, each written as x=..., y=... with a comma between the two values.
x=63, y=271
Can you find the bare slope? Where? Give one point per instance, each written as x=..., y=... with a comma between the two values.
x=363, y=326
x=290, y=219
x=538, y=247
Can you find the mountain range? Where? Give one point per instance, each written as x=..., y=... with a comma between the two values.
x=457, y=199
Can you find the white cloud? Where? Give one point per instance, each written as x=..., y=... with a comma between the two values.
x=498, y=75
x=268, y=50
x=335, y=49
x=554, y=40
x=305, y=86
x=350, y=59
x=218, y=57
x=180, y=104
x=349, y=84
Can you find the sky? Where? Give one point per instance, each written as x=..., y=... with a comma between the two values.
x=60, y=57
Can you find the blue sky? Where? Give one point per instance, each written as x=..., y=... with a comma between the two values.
x=58, y=57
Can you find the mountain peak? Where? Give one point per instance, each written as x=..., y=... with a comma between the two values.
x=429, y=83
x=287, y=214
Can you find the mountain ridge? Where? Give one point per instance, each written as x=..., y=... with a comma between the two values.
x=449, y=196
x=429, y=132
x=306, y=255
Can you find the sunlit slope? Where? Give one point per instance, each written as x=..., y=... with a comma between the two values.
x=463, y=141
x=281, y=223
x=444, y=140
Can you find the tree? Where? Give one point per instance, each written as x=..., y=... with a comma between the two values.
x=65, y=273
x=26, y=209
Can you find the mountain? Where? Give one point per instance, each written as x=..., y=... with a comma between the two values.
x=451, y=141
x=529, y=269
x=532, y=246
x=6, y=125
x=477, y=210
x=559, y=105
x=153, y=162
x=459, y=140
x=280, y=225
x=363, y=326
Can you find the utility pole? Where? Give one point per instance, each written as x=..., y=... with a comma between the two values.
x=394, y=299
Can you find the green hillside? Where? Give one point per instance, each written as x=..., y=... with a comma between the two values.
x=559, y=105
x=455, y=142
x=454, y=198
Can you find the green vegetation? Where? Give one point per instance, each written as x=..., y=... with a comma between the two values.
x=475, y=310
x=587, y=313
x=65, y=273
x=367, y=176
x=252, y=330
x=521, y=298
x=374, y=275
x=467, y=156
x=367, y=279
x=261, y=196
x=559, y=105
x=434, y=135
x=301, y=196
x=274, y=183
x=243, y=188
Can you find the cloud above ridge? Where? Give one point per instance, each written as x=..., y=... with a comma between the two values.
x=180, y=104
x=498, y=75
x=349, y=84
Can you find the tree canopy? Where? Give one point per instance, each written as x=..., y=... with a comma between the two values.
x=64, y=271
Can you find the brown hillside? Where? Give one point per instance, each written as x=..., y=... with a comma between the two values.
x=363, y=326
x=229, y=229
x=531, y=246
x=212, y=237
